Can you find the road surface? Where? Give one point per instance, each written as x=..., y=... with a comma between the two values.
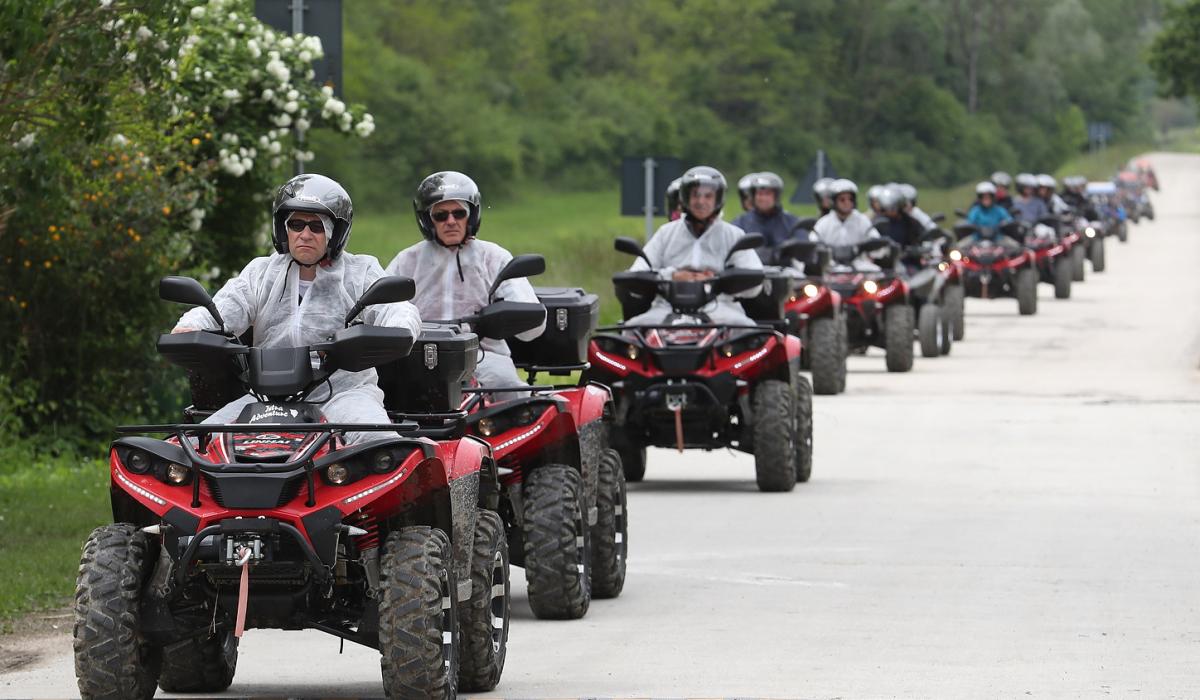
x=1019, y=519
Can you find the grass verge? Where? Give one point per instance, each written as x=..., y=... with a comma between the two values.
x=47, y=508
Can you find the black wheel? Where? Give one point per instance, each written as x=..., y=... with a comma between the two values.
x=111, y=659
x=956, y=307
x=1096, y=252
x=775, y=442
x=843, y=352
x=804, y=429
x=557, y=543
x=204, y=665
x=929, y=330
x=610, y=535
x=827, y=359
x=946, y=336
x=1149, y=213
x=898, y=335
x=1123, y=231
x=418, y=615
x=1062, y=278
x=483, y=621
x=1078, y=254
x=633, y=463
x=1027, y=280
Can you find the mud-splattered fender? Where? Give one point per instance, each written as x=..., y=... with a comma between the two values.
x=463, y=474
x=591, y=407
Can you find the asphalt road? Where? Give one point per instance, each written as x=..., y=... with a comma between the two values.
x=1018, y=519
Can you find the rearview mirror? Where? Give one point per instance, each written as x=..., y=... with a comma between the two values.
x=797, y=249
x=960, y=213
x=737, y=280
x=185, y=290
x=938, y=218
x=520, y=266
x=750, y=241
x=629, y=246
x=385, y=290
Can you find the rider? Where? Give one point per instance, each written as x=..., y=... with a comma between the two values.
x=1028, y=207
x=822, y=196
x=845, y=225
x=1074, y=194
x=1046, y=186
x=695, y=248
x=1003, y=182
x=909, y=193
x=873, y=199
x=673, y=200
x=898, y=225
x=744, y=194
x=454, y=270
x=302, y=293
x=767, y=215
x=987, y=214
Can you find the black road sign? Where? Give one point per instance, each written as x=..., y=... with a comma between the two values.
x=322, y=18
x=633, y=184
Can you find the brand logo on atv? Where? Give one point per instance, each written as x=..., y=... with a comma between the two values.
x=268, y=412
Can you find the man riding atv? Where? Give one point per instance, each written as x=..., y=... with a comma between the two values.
x=822, y=195
x=909, y=193
x=896, y=223
x=1003, y=182
x=301, y=295
x=695, y=247
x=454, y=270
x=1028, y=207
x=845, y=225
x=767, y=215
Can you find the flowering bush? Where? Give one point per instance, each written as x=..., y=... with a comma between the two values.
x=138, y=138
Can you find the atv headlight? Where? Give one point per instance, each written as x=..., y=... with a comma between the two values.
x=870, y=287
x=381, y=461
x=811, y=290
x=138, y=461
x=943, y=266
x=956, y=255
x=177, y=473
x=631, y=351
x=523, y=415
x=337, y=474
x=487, y=427
x=1091, y=232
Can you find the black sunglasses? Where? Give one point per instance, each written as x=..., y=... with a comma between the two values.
x=440, y=216
x=297, y=225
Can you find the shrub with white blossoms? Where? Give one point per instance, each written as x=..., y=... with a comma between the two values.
x=256, y=87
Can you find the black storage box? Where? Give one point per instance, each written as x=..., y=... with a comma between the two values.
x=430, y=379
x=571, y=316
x=768, y=305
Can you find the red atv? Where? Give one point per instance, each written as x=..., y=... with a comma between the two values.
x=876, y=302
x=688, y=383
x=931, y=281
x=277, y=522
x=994, y=264
x=1052, y=256
x=814, y=313
x=561, y=490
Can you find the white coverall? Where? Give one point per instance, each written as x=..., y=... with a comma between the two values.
x=857, y=228
x=674, y=246
x=265, y=296
x=454, y=282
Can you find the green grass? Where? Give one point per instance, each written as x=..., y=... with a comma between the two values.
x=47, y=508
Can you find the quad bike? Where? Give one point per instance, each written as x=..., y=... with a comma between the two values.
x=1052, y=257
x=1105, y=198
x=689, y=383
x=876, y=303
x=929, y=283
x=561, y=489
x=276, y=522
x=812, y=310
x=995, y=265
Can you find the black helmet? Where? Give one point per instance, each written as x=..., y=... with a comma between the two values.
x=319, y=195
x=446, y=186
x=701, y=176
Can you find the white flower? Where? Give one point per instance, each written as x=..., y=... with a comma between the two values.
x=275, y=147
x=108, y=26
x=144, y=33
x=306, y=56
x=278, y=70
x=293, y=94
x=119, y=140
x=161, y=45
x=216, y=5
x=310, y=74
x=230, y=138
x=105, y=3
x=247, y=164
x=26, y=141
x=197, y=12
x=302, y=125
x=252, y=47
x=268, y=94
x=263, y=141
x=208, y=75
x=312, y=44
x=364, y=128
x=327, y=91
x=194, y=224
x=276, y=161
x=241, y=26
x=290, y=107
x=283, y=120
x=334, y=106
x=287, y=43
x=231, y=94
x=233, y=17
x=131, y=57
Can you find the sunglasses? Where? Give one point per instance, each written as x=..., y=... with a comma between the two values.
x=298, y=225
x=440, y=216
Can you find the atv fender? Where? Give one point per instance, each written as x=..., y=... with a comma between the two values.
x=591, y=407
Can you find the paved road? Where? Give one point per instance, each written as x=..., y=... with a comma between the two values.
x=1018, y=519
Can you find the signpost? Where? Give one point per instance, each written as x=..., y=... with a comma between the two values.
x=644, y=181
x=821, y=167
x=1099, y=134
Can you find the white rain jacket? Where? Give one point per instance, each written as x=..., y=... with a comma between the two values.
x=674, y=246
x=265, y=296
x=857, y=228
x=454, y=282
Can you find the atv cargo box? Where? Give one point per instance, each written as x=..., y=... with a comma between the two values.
x=430, y=378
x=571, y=316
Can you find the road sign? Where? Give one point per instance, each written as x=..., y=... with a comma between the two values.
x=321, y=18
x=821, y=167
x=644, y=181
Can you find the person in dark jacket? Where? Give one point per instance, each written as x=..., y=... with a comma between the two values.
x=766, y=215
